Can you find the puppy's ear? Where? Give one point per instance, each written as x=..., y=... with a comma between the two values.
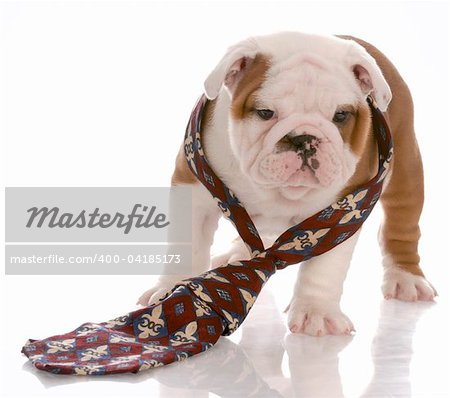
x=231, y=67
x=369, y=76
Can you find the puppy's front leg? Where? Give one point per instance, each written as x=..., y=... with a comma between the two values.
x=205, y=217
x=315, y=308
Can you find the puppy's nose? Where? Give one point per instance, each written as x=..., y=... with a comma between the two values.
x=303, y=143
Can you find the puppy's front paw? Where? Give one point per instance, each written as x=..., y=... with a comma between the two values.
x=402, y=285
x=157, y=292
x=236, y=252
x=317, y=319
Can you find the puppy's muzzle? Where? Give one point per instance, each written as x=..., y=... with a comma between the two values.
x=301, y=151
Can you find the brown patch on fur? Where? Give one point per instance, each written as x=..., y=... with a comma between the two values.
x=357, y=133
x=243, y=101
x=182, y=173
x=402, y=197
x=347, y=108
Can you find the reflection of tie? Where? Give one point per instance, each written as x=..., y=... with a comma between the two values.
x=191, y=318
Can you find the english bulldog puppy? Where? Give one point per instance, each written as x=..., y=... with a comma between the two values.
x=288, y=129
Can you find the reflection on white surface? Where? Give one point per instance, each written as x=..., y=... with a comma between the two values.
x=314, y=365
x=254, y=366
x=392, y=349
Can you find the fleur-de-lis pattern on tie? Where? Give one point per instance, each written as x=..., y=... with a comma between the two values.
x=197, y=311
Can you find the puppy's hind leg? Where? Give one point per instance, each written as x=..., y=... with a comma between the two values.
x=402, y=201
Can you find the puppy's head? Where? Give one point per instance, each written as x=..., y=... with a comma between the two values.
x=298, y=116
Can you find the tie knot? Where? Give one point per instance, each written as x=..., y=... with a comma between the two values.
x=271, y=256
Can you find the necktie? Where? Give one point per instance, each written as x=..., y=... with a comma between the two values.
x=197, y=311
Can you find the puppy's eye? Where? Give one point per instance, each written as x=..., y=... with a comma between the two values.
x=340, y=116
x=265, y=114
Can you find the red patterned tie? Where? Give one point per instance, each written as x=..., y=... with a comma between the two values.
x=197, y=311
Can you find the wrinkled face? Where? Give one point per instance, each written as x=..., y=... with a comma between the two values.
x=298, y=124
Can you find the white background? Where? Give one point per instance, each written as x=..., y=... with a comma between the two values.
x=99, y=93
